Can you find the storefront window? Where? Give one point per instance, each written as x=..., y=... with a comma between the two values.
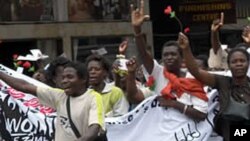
x=80, y=10
x=106, y=46
x=26, y=10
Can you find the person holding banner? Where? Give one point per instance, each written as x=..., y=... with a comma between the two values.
x=168, y=79
x=80, y=114
x=233, y=91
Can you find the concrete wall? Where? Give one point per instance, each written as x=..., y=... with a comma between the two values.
x=66, y=31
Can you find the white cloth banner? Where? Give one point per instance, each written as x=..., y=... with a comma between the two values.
x=150, y=122
x=22, y=117
x=25, y=119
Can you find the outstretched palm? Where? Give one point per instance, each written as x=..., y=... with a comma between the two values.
x=123, y=47
x=137, y=15
x=246, y=34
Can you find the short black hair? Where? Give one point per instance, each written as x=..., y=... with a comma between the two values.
x=203, y=58
x=80, y=68
x=242, y=45
x=53, y=65
x=59, y=61
x=103, y=61
x=172, y=43
x=238, y=49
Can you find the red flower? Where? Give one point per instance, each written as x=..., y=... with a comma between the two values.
x=151, y=82
x=187, y=30
x=168, y=10
x=14, y=56
x=19, y=63
x=26, y=65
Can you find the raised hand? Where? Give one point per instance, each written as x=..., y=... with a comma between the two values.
x=132, y=65
x=246, y=34
x=123, y=47
x=217, y=23
x=183, y=41
x=137, y=15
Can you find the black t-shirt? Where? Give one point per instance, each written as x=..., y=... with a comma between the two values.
x=240, y=93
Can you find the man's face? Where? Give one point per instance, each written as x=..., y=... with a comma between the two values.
x=171, y=58
x=71, y=83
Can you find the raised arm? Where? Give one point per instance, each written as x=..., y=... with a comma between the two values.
x=215, y=27
x=198, y=73
x=18, y=84
x=137, y=19
x=134, y=95
x=246, y=34
x=115, y=67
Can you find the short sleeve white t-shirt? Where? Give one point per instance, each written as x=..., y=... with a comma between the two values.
x=218, y=60
x=161, y=82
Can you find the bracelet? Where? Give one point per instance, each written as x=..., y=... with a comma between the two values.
x=120, y=56
x=185, y=109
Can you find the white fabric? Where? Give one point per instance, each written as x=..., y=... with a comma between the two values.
x=24, y=117
x=218, y=60
x=149, y=122
x=161, y=82
x=248, y=72
x=121, y=107
x=145, y=90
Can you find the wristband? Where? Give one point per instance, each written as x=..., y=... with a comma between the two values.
x=120, y=56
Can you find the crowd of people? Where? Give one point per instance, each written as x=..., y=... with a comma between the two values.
x=85, y=93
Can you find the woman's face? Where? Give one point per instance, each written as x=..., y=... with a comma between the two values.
x=238, y=64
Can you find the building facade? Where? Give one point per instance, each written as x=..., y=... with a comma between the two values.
x=72, y=27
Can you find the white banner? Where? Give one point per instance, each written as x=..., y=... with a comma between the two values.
x=25, y=119
x=150, y=122
x=22, y=117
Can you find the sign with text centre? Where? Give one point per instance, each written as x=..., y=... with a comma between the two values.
x=205, y=11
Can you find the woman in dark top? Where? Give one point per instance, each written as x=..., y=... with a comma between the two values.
x=234, y=89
